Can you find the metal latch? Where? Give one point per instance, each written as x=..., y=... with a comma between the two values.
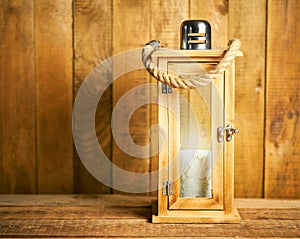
x=167, y=188
x=230, y=131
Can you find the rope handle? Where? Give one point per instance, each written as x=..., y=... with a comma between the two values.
x=176, y=81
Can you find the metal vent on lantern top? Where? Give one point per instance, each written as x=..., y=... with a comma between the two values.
x=195, y=35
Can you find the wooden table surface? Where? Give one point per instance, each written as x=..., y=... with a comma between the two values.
x=129, y=216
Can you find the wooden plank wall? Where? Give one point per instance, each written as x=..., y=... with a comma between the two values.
x=250, y=93
x=47, y=50
x=282, y=155
x=54, y=96
x=137, y=15
x=18, y=166
x=92, y=44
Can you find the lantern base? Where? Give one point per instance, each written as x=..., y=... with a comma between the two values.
x=203, y=216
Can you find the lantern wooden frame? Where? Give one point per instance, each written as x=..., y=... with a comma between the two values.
x=220, y=207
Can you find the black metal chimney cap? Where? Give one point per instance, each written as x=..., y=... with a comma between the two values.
x=195, y=35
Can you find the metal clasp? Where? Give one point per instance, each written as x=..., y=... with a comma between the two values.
x=230, y=131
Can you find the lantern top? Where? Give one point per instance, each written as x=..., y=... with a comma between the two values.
x=217, y=53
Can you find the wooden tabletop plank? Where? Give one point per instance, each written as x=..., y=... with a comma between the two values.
x=68, y=212
x=73, y=200
x=266, y=203
x=142, y=227
x=108, y=199
x=129, y=216
x=123, y=212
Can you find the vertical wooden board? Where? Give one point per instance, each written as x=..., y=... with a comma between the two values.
x=92, y=45
x=155, y=136
x=166, y=18
x=282, y=144
x=247, y=23
x=217, y=103
x=216, y=13
x=17, y=98
x=163, y=162
x=229, y=146
x=131, y=21
x=173, y=101
x=54, y=95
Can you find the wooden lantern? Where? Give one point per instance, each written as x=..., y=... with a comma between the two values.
x=196, y=163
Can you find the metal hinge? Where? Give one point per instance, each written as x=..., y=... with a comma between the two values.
x=165, y=89
x=167, y=188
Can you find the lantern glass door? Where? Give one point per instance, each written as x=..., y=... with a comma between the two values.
x=196, y=168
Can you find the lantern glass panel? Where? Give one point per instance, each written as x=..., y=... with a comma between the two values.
x=195, y=143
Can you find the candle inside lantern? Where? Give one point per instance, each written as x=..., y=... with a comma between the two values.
x=195, y=171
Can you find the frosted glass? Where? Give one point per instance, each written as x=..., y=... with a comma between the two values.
x=195, y=168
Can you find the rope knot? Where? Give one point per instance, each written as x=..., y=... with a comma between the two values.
x=154, y=44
